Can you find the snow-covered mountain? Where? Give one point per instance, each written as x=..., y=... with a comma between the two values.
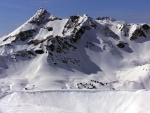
x=49, y=52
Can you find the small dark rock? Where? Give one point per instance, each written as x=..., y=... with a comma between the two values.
x=55, y=63
x=49, y=28
x=121, y=44
x=35, y=42
x=39, y=51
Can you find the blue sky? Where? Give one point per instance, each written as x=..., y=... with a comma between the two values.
x=14, y=13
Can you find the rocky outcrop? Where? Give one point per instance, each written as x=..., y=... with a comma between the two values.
x=125, y=30
x=79, y=33
x=78, y=25
x=137, y=33
x=39, y=51
x=106, y=18
x=60, y=45
x=52, y=19
x=110, y=33
x=121, y=44
x=40, y=17
x=35, y=42
x=24, y=35
x=49, y=28
x=24, y=54
x=146, y=27
x=72, y=24
x=74, y=18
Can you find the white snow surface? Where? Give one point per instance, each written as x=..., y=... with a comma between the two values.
x=76, y=101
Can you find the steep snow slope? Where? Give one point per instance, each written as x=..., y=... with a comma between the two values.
x=48, y=52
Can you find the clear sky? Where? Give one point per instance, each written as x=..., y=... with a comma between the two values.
x=14, y=13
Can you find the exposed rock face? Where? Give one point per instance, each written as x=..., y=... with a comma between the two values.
x=110, y=33
x=35, y=42
x=24, y=35
x=146, y=27
x=39, y=51
x=7, y=38
x=60, y=45
x=125, y=30
x=79, y=33
x=105, y=18
x=23, y=54
x=49, y=28
x=74, y=18
x=53, y=19
x=98, y=18
x=78, y=25
x=121, y=44
x=137, y=33
x=71, y=24
x=41, y=17
x=57, y=46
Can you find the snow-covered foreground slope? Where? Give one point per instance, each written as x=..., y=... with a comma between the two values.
x=80, y=52
x=77, y=101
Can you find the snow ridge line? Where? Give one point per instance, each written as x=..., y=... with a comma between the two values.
x=76, y=90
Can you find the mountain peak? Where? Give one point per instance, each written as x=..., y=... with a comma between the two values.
x=41, y=11
x=41, y=8
x=85, y=15
x=40, y=16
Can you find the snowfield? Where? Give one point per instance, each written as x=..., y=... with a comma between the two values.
x=76, y=101
x=75, y=65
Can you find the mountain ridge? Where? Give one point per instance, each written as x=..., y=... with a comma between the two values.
x=80, y=52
